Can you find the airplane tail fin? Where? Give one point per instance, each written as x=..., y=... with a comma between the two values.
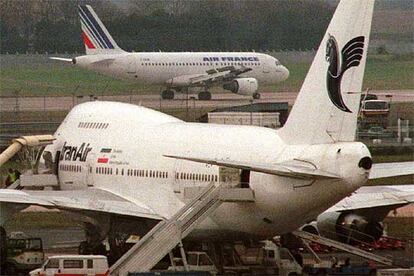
x=95, y=36
x=326, y=108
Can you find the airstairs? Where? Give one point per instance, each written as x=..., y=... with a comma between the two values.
x=344, y=247
x=166, y=235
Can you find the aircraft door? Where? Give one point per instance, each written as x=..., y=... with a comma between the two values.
x=229, y=176
x=177, y=183
x=89, y=170
x=133, y=68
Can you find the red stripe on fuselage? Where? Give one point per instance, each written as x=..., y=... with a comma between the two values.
x=103, y=160
x=87, y=41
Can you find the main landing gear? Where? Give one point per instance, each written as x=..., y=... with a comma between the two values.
x=204, y=96
x=256, y=96
x=167, y=94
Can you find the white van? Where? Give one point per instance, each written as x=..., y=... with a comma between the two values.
x=85, y=265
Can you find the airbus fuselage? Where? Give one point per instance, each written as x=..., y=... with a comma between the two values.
x=176, y=69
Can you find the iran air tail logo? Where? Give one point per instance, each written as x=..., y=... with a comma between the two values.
x=351, y=56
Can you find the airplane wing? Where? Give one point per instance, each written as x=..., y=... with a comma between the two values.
x=218, y=75
x=92, y=199
x=367, y=197
x=104, y=62
x=294, y=168
x=382, y=170
x=61, y=59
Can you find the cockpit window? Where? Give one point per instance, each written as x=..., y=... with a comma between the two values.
x=277, y=62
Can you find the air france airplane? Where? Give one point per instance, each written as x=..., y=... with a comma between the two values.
x=123, y=168
x=238, y=72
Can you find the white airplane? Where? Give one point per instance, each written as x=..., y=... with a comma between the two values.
x=359, y=217
x=239, y=72
x=123, y=167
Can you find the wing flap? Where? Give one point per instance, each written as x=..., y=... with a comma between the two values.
x=292, y=169
x=381, y=170
x=88, y=200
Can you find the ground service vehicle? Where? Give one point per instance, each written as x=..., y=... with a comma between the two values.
x=267, y=260
x=23, y=253
x=196, y=261
x=90, y=265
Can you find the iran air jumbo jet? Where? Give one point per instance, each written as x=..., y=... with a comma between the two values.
x=238, y=72
x=124, y=167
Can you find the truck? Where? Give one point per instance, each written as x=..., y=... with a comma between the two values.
x=24, y=253
x=269, y=259
x=266, y=260
x=196, y=261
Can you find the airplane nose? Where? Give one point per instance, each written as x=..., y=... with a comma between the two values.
x=284, y=72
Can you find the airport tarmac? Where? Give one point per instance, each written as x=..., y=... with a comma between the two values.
x=58, y=241
x=49, y=103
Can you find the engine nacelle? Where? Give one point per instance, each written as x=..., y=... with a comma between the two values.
x=348, y=228
x=242, y=86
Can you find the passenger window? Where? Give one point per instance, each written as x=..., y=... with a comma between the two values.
x=72, y=263
x=90, y=263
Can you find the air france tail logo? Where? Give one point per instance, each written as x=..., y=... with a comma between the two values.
x=92, y=33
x=351, y=56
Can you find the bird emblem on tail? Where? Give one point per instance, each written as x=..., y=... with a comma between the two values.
x=351, y=56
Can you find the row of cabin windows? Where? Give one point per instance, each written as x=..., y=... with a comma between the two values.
x=103, y=170
x=147, y=173
x=143, y=173
x=201, y=64
x=131, y=172
x=196, y=177
x=70, y=168
x=93, y=125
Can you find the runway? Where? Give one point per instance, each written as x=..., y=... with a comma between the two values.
x=50, y=103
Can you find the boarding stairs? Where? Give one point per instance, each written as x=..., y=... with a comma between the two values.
x=167, y=234
x=344, y=247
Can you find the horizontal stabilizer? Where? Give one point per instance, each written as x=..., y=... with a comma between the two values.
x=382, y=170
x=61, y=59
x=294, y=169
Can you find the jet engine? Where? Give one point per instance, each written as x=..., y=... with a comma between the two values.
x=346, y=227
x=242, y=86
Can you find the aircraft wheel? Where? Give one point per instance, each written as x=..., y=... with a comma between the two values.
x=204, y=96
x=167, y=94
x=256, y=96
